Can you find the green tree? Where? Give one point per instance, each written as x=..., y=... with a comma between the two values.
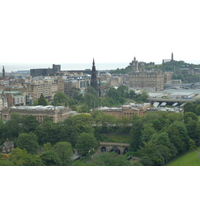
x=86, y=142
x=33, y=160
x=91, y=90
x=157, y=124
x=175, y=117
x=191, y=128
x=192, y=144
x=47, y=146
x=144, y=96
x=197, y=110
x=47, y=132
x=178, y=136
x=159, y=154
x=75, y=93
x=146, y=161
x=50, y=158
x=147, y=132
x=18, y=156
x=64, y=151
x=132, y=94
x=113, y=93
x=12, y=127
x=28, y=141
x=136, y=135
x=68, y=133
x=91, y=100
x=163, y=139
x=198, y=132
x=189, y=107
x=28, y=123
x=73, y=126
x=60, y=99
x=191, y=115
x=42, y=101
x=123, y=91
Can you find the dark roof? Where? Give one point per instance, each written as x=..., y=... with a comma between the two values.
x=8, y=144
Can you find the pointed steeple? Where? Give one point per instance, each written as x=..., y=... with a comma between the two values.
x=93, y=65
x=3, y=71
x=94, y=76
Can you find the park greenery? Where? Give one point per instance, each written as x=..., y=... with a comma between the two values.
x=155, y=138
x=190, y=158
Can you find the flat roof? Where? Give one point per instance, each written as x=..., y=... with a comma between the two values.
x=38, y=107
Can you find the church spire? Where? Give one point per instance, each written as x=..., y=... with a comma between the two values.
x=94, y=76
x=3, y=71
x=93, y=65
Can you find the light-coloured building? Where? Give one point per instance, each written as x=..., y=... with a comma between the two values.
x=125, y=110
x=143, y=79
x=57, y=113
x=146, y=79
x=48, y=87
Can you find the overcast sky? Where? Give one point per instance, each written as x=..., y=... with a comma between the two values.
x=75, y=31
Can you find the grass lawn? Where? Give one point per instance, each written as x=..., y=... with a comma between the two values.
x=188, y=159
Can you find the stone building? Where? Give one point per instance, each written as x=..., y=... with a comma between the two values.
x=47, y=87
x=12, y=98
x=125, y=110
x=145, y=79
x=57, y=113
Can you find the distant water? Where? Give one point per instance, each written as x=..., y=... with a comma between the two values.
x=9, y=67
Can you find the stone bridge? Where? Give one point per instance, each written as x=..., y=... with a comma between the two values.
x=120, y=148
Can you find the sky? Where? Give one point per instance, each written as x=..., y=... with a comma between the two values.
x=110, y=31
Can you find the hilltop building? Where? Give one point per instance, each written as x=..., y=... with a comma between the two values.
x=168, y=60
x=145, y=79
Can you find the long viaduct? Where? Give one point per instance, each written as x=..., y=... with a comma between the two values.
x=120, y=148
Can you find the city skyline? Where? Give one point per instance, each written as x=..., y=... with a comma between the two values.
x=110, y=31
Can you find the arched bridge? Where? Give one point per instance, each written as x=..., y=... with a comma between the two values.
x=120, y=148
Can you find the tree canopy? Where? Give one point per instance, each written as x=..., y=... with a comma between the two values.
x=42, y=101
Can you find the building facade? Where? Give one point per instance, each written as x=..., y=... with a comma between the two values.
x=57, y=113
x=145, y=79
x=47, y=87
x=125, y=110
x=45, y=72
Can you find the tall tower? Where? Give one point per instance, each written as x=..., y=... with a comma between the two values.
x=172, y=57
x=134, y=65
x=3, y=71
x=94, y=76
